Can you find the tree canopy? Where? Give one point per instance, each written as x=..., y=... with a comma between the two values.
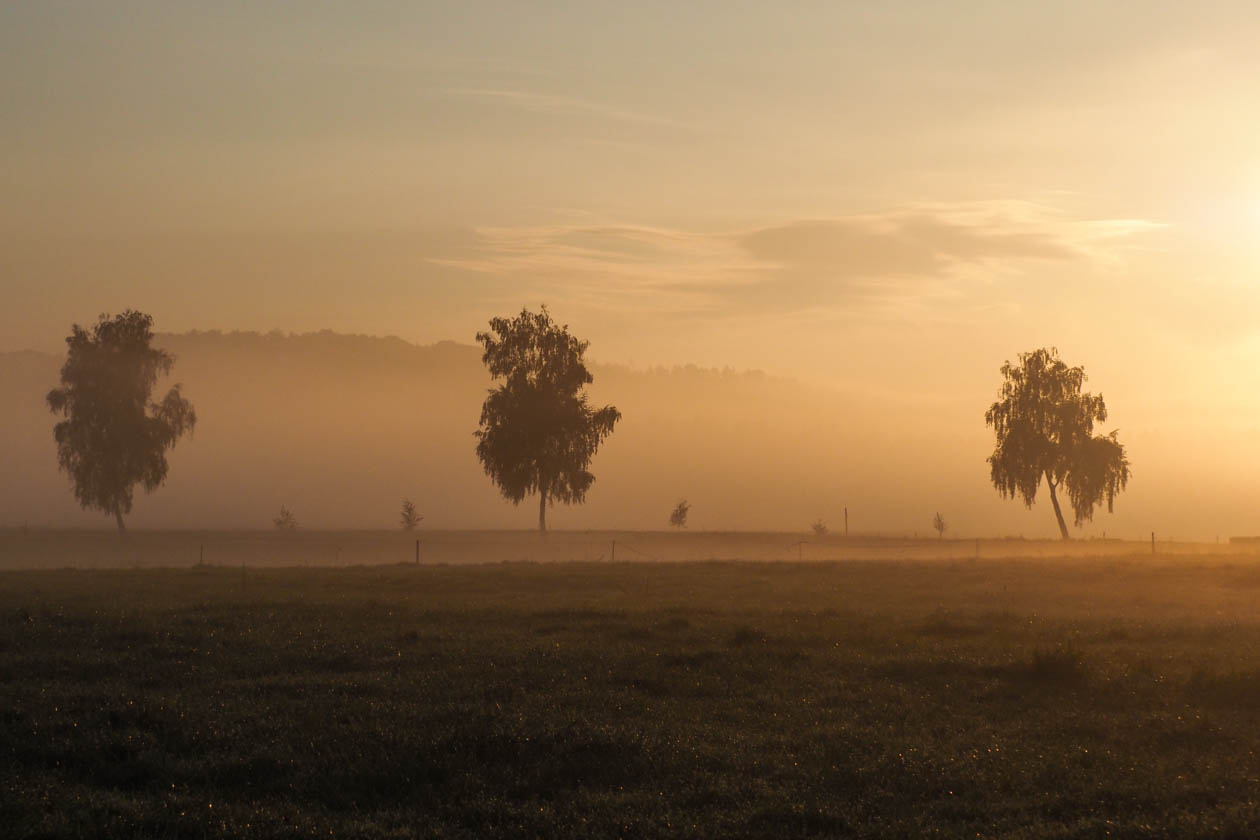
x=113, y=437
x=538, y=432
x=409, y=518
x=285, y=520
x=1044, y=426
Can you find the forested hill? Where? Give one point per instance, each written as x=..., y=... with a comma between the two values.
x=340, y=428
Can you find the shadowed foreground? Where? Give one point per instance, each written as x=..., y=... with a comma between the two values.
x=1017, y=698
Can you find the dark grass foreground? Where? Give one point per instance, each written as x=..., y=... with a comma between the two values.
x=1020, y=699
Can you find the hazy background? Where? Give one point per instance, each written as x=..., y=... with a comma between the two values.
x=340, y=428
x=880, y=203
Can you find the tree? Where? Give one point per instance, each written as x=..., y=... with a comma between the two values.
x=820, y=528
x=113, y=437
x=410, y=519
x=286, y=521
x=1044, y=426
x=938, y=524
x=679, y=517
x=538, y=433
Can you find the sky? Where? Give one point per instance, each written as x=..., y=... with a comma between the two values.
x=890, y=197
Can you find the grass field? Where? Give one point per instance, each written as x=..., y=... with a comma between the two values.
x=1032, y=697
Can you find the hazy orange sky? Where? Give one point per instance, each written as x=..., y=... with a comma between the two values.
x=893, y=196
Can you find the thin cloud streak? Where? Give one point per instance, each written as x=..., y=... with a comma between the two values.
x=923, y=255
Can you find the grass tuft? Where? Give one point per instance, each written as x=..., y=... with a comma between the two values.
x=1239, y=689
x=1063, y=666
x=746, y=634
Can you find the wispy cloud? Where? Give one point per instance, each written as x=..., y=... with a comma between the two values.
x=920, y=253
x=609, y=266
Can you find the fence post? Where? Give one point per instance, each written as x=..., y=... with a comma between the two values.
x=417, y=552
x=1152, y=542
x=614, y=552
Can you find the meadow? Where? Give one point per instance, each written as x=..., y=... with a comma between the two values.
x=904, y=695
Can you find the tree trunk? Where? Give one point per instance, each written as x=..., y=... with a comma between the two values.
x=1058, y=512
x=542, y=510
x=122, y=529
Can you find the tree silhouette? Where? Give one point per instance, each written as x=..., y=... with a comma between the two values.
x=819, y=527
x=938, y=524
x=679, y=516
x=113, y=437
x=286, y=521
x=410, y=519
x=1044, y=427
x=537, y=432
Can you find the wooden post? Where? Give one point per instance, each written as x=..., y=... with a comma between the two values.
x=417, y=552
x=1152, y=542
x=846, y=522
x=614, y=552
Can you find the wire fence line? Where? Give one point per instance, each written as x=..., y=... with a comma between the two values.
x=105, y=549
x=638, y=551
